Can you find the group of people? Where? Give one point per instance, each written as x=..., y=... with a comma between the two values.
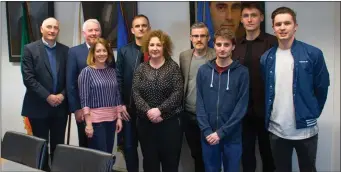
x=256, y=87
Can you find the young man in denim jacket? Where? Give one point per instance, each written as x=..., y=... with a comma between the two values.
x=296, y=87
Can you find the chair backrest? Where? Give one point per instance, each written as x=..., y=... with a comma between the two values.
x=69, y=158
x=24, y=149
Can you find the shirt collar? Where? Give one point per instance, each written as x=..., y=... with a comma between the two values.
x=47, y=44
x=260, y=37
x=87, y=45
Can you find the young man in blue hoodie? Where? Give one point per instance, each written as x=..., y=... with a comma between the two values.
x=222, y=101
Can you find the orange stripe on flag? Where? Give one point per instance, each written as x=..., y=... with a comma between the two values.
x=28, y=127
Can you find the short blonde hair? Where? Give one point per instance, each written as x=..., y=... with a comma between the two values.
x=164, y=39
x=91, y=56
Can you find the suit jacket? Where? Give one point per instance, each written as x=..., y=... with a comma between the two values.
x=76, y=62
x=37, y=77
x=185, y=60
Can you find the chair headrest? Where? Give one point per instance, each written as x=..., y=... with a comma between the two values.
x=81, y=159
x=23, y=148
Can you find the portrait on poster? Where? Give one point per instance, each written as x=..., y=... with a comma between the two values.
x=223, y=14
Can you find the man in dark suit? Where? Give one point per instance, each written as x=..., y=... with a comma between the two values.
x=43, y=70
x=76, y=62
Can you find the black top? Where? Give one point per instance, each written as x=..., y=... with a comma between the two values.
x=158, y=88
x=249, y=53
x=129, y=57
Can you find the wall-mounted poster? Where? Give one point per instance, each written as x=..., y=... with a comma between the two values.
x=217, y=14
x=37, y=13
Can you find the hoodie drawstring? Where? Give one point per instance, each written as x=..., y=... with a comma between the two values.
x=228, y=80
x=212, y=78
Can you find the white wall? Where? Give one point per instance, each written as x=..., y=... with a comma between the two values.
x=319, y=25
x=335, y=164
x=12, y=88
x=0, y=65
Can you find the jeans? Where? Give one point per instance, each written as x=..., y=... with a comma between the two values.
x=103, y=137
x=224, y=152
x=128, y=137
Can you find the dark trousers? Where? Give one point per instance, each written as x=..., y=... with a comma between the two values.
x=103, y=137
x=82, y=138
x=160, y=143
x=225, y=152
x=52, y=127
x=282, y=153
x=254, y=128
x=128, y=139
x=193, y=137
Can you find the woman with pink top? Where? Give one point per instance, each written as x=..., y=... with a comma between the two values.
x=100, y=98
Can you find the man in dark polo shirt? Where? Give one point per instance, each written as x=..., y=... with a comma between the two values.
x=248, y=50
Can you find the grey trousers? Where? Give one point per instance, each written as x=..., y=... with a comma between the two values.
x=282, y=153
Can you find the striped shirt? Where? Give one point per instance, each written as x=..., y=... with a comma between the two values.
x=99, y=93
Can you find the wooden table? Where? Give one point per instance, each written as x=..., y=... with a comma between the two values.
x=7, y=165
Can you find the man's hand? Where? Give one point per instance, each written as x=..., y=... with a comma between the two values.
x=60, y=98
x=213, y=138
x=125, y=115
x=153, y=114
x=79, y=115
x=53, y=100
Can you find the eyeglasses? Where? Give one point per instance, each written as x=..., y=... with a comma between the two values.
x=197, y=36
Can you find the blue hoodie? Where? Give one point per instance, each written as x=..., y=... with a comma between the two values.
x=222, y=99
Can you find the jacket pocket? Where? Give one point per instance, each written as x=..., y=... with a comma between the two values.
x=313, y=112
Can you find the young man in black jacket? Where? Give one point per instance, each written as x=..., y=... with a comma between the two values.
x=249, y=49
x=129, y=58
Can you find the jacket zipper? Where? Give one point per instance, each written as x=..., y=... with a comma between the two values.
x=131, y=90
x=218, y=103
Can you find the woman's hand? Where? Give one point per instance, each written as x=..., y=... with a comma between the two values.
x=153, y=114
x=157, y=120
x=119, y=125
x=89, y=131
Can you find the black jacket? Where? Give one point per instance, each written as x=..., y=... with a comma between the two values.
x=129, y=58
x=37, y=77
x=257, y=89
